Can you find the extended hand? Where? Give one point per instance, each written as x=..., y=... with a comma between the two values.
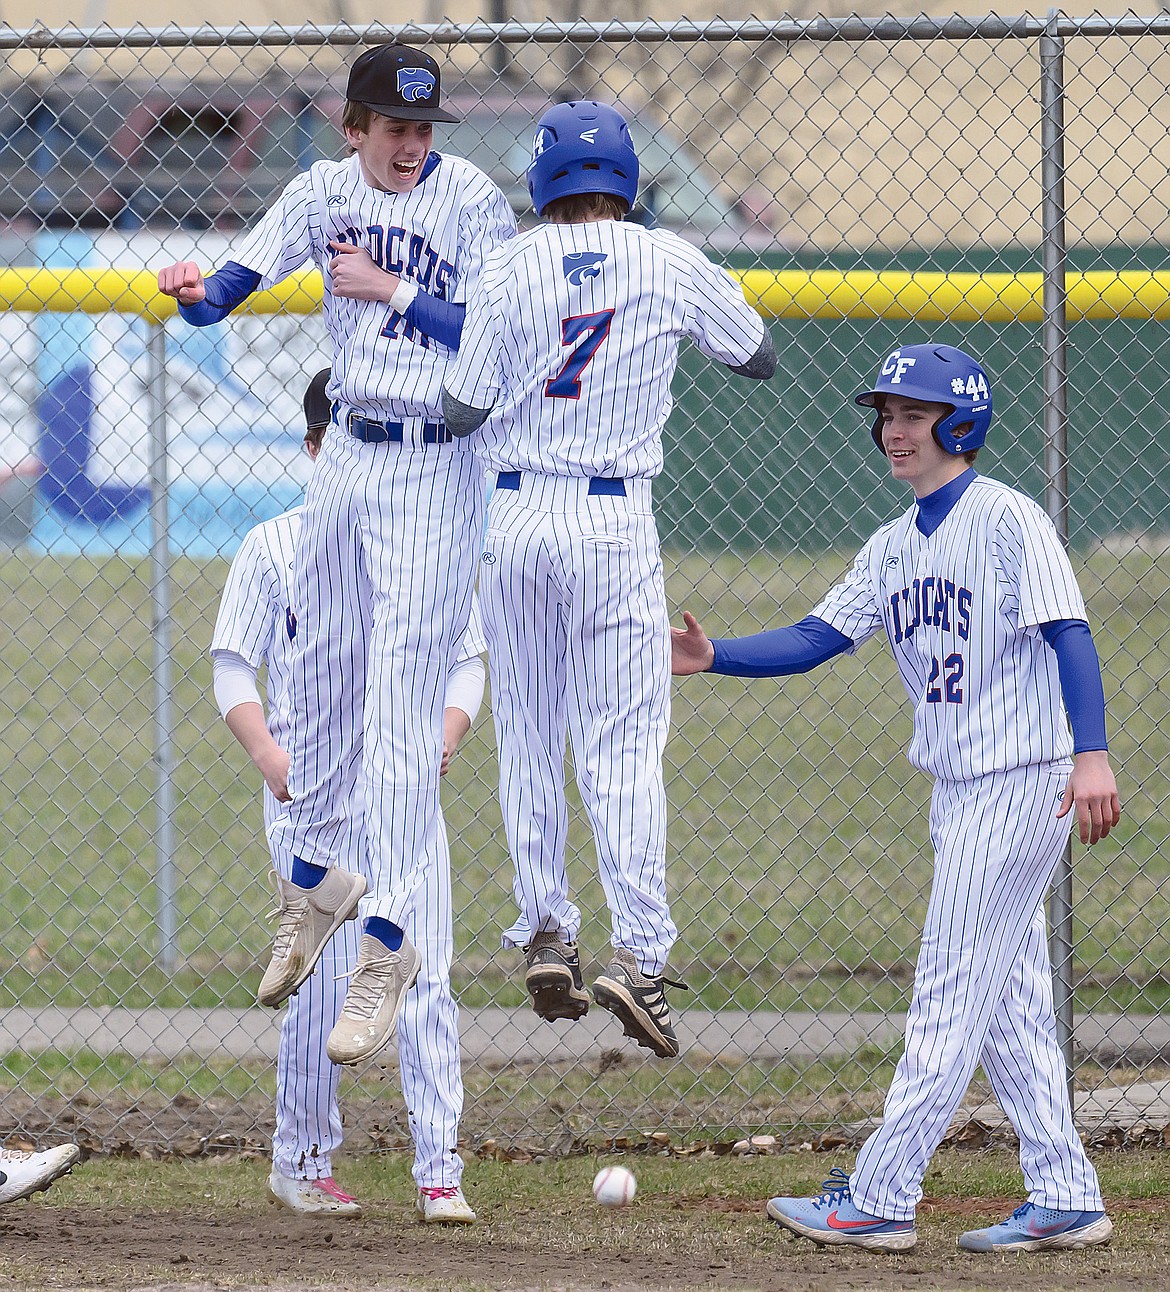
x=355, y=276
x=1093, y=788
x=182, y=280
x=690, y=648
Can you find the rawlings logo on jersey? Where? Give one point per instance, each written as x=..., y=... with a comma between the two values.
x=579, y=265
x=415, y=83
x=335, y=199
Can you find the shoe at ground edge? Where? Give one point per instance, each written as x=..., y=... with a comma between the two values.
x=322, y=1197
x=553, y=978
x=444, y=1206
x=638, y=1003
x=309, y=917
x=377, y=991
x=1031, y=1228
x=833, y=1221
x=23, y=1174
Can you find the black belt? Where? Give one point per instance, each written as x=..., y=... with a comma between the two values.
x=612, y=485
x=370, y=431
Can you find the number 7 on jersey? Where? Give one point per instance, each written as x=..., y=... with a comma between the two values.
x=587, y=331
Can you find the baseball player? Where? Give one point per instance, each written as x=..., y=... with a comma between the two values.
x=23, y=1174
x=981, y=607
x=257, y=625
x=391, y=524
x=570, y=344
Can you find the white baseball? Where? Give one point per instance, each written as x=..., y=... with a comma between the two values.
x=614, y=1186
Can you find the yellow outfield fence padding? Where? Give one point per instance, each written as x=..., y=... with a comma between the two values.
x=787, y=294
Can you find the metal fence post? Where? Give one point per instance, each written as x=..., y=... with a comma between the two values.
x=1056, y=453
x=160, y=600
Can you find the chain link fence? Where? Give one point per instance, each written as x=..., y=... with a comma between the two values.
x=877, y=181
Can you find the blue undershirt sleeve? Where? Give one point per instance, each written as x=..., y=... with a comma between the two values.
x=780, y=651
x=226, y=288
x=441, y=320
x=1080, y=681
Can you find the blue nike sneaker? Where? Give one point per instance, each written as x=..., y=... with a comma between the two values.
x=1030, y=1228
x=833, y=1221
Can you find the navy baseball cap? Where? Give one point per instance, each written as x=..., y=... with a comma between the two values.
x=398, y=81
x=318, y=409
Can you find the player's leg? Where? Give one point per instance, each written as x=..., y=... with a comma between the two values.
x=520, y=587
x=308, y=1117
x=996, y=843
x=428, y=1049
x=619, y=680
x=420, y=521
x=327, y=686
x=1027, y=1072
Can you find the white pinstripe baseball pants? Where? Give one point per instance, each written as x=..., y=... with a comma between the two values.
x=983, y=994
x=383, y=576
x=578, y=636
x=308, y=1118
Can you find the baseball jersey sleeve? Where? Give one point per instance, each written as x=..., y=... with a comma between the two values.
x=485, y=224
x=720, y=321
x=244, y=624
x=281, y=242
x=1036, y=575
x=473, y=642
x=852, y=606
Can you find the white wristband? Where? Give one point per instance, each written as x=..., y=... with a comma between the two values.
x=403, y=296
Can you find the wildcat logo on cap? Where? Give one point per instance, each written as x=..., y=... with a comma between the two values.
x=415, y=83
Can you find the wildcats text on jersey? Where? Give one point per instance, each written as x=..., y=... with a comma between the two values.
x=930, y=602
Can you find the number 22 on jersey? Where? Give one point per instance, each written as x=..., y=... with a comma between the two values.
x=586, y=333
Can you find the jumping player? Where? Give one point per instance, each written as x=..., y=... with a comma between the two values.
x=392, y=520
x=981, y=607
x=257, y=625
x=570, y=344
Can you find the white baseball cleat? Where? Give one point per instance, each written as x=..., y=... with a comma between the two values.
x=312, y=1197
x=23, y=1174
x=377, y=991
x=309, y=917
x=444, y=1206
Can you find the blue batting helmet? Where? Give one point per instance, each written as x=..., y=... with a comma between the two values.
x=582, y=147
x=937, y=374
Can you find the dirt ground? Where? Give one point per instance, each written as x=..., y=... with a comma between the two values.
x=68, y=1247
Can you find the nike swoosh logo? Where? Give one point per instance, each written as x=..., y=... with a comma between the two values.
x=834, y=1223
x=1045, y=1231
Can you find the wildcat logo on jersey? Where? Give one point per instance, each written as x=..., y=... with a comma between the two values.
x=415, y=83
x=579, y=265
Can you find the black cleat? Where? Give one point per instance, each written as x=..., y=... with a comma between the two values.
x=638, y=1003
x=554, y=978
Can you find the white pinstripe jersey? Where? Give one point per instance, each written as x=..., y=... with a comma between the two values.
x=256, y=619
x=435, y=235
x=962, y=610
x=572, y=337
